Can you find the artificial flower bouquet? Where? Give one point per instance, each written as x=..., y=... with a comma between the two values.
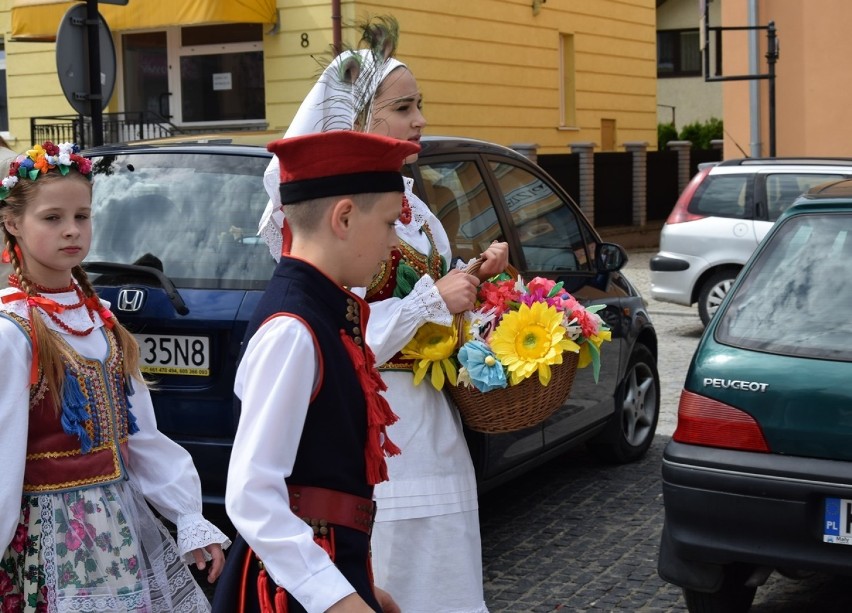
x=515, y=331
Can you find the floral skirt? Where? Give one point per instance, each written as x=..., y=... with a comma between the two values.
x=95, y=550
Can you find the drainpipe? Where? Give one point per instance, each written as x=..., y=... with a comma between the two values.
x=336, y=27
x=755, y=145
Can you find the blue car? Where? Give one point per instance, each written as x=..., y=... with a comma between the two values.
x=176, y=253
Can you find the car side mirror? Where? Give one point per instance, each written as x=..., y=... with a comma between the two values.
x=610, y=257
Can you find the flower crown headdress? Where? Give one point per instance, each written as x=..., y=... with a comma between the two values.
x=43, y=158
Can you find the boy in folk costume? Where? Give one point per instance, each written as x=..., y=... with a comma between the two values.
x=427, y=524
x=311, y=440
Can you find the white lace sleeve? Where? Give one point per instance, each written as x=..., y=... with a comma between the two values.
x=394, y=321
x=195, y=532
x=428, y=300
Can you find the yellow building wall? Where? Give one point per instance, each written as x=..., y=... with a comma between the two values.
x=31, y=82
x=488, y=69
x=812, y=88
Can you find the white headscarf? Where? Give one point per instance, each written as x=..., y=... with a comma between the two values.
x=334, y=103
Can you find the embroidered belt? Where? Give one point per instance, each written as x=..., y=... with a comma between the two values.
x=397, y=362
x=320, y=507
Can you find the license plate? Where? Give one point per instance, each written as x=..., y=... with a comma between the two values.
x=174, y=355
x=837, y=527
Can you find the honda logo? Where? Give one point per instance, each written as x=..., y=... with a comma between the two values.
x=131, y=300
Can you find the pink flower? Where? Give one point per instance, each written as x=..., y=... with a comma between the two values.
x=588, y=322
x=78, y=534
x=78, y=509
x=540, y=285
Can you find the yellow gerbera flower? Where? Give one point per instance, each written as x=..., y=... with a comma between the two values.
x=530, y=340
x=431, y=349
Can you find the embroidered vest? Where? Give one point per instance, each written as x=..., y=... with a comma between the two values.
x=397, y=277
x=84, y=443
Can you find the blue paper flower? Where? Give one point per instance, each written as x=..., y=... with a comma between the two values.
x=484, y=369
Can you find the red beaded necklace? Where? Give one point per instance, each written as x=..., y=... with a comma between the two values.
x=405, y=213
x=16, y=283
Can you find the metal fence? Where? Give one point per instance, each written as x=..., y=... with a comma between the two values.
x=117, y=128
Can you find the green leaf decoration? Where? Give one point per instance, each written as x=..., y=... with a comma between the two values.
x=556, y=289
x=406, y=279
x=33, y=174
x=63, y=169
x=596, y=360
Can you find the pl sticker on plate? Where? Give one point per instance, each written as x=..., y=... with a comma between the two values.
x=837, y=527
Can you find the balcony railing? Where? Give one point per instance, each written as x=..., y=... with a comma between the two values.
x=117, y=128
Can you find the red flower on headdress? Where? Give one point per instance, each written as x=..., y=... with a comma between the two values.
x=50, y=148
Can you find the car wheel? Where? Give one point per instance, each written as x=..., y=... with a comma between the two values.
x=733, y=597
x=712, y=293
x=637, y=407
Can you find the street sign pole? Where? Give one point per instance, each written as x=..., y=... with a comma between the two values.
x=95, y=93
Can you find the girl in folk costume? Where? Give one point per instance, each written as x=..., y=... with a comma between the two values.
x=426, y=542
x=80, y=450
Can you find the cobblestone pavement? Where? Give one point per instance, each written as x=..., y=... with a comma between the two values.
x=580, y=535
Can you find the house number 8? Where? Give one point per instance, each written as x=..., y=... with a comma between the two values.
x=305, y=40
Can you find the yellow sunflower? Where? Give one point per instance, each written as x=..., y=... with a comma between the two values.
x=431, y=349
x=529, y=340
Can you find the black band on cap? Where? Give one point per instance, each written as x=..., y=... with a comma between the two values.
x=341, y=185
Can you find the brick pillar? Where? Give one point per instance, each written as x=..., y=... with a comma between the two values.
x=528, y=150
x=586, y=197
x=683, y=147
x=639, y=149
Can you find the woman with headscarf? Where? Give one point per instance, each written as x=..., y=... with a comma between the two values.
x=426, y=542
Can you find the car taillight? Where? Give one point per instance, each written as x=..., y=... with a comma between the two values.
x=680, y=213
x=708, y=422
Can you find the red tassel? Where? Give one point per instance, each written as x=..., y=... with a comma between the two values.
x=280, y=600
x=379, y=414
x=266, y=605
x=327, y=543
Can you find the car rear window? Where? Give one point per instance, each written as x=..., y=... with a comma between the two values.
x=794, y=299
x=192, y=215
x=724, y=195
x=783, y=188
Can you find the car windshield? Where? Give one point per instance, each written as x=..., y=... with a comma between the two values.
x=191, y=215
x=794, y=299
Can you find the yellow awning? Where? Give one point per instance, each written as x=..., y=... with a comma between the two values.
x=38, y=20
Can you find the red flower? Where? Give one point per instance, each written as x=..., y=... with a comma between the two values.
x=13, y=603
x=498, y=296
x=20, y=538
x=5, y=584
x=84, y=165
x=13, y=168
x=50, y=148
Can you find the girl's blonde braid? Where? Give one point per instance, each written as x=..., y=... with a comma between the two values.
x=51, y=350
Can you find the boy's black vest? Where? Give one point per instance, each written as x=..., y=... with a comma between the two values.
x=331, y=449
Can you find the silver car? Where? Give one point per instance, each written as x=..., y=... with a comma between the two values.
x=720, y=218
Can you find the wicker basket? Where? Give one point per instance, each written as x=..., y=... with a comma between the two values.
x=514, y=407
x=517, y=406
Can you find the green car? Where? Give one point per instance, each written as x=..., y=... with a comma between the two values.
x=758, y=474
